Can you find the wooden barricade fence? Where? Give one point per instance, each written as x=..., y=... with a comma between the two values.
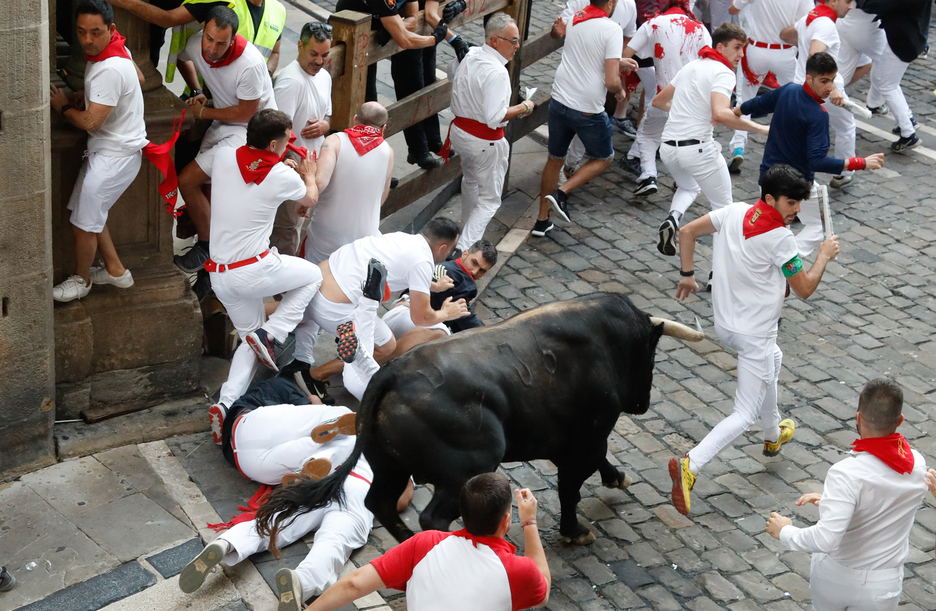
x=354, y=48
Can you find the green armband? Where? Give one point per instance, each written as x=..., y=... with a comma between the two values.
x=792, y=267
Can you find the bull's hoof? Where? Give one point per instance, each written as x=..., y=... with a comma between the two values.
x=623, y=483
x=586, y=538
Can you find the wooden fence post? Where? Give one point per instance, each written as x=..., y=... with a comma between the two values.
x=518, y=9
x=353, y=30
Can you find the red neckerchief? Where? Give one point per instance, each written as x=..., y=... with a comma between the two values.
x=708, y=52
x=761, y=218
x=236, y=50
x=299, y=150
x=458, y=260
x=589, y=12
x=115, y=48
x=254, y=164
x=821, y=10
x=813, y=95
x=364, y=138
x=159, y=155
x=893, y=450
x=492, y=542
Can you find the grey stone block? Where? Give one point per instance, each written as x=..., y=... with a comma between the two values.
x=97, y=592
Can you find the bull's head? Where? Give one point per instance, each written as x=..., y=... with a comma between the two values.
x=643, y=367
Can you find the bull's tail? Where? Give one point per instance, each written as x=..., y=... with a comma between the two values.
x=286, y=503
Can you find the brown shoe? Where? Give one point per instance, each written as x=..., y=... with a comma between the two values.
x=342, y=425
x=315, y=469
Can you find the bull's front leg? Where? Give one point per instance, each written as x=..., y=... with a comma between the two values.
x=382, y=499
x=571, y=478
x=611, y=477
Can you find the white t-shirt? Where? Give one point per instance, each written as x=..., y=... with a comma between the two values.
x=304, y=98
x=764, y=19
x=481, y=87
x=625, y=14
x=245, y=78
x=749, y=296
x=580, y=79
x=407, y=257
x=865, y=514
x=242, y=213
x=822, y=29
x=114, y=82
x=672, y=41
x=690, y=115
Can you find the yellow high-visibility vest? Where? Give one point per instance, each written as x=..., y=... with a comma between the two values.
x=272, y=24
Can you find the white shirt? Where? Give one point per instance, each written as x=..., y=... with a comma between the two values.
x=672, y=41
x=243, y=213
x=625, y=14
x=407, y=257
x=304, y=98
x=580, y=79
x=481, y=87
x=822, y=29
x=865, y=514
x=114, y=82
x=749, y=298
x=245, y=78
x=690, y=115
x=764, y=19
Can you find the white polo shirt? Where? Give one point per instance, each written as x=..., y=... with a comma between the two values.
x=865, y=513
x=242, y=213
x=304, y=98
x=407, y=257
x=749, y=297
x=456, y=571
x=114, y=82
x=822, y=29
x=245, y=78
x=481, y=87
x=764, y=19
x=580, y=79
x=625, y=14
x=690, y=115
x=672, y=41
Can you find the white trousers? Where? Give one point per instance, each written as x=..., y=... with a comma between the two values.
x=338, y=532
x=101, y=182
x=782, y=62
x=484, y=165
x=843, y=123
x=718, y=11
x=369, y=328
x=400, y=321
x=274, y=440
x=242, y=291
x=647, y=140
x=886, y=74
x=810, y=215
x=862, y=39
x=759, y=361
x=835, y=587
x=697, y=168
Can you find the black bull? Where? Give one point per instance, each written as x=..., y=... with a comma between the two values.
x=547, y=383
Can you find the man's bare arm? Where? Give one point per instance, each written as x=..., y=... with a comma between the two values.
x=89, y=120
x=402, y=36
x=241, y=113
x=687, y=241
x=154, y=14
x=273, y=60
x=327, y=159
x=386, y=190
x=664, y=99
x=348, y=589
x=722, y=113
x=422, y=314
x=805, y=282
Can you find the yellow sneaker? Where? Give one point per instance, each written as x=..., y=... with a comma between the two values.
x=787, y=428
x=683, y=481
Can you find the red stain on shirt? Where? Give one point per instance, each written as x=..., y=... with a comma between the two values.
x=658, y=51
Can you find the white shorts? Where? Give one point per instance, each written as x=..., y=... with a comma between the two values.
x=219, y=134
x=101, y=182
x=328, y=315
x=400, y=321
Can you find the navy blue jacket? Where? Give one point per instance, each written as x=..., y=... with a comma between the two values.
x=799, y=131
x=465, y=288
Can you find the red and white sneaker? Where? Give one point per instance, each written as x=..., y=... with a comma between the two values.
x=216, y=414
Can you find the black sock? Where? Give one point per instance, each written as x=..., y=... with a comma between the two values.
x=202, y=244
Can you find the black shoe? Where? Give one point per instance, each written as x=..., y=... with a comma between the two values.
x=376, y=279
x=264, y=346
x=425, y=160
x=7, y=581
x=896, y=130
x=647, y=186
x=298, y=373
x=878, y=111
x=394, y=182
x=669, y=229
x=202, y=285
x=631, y=165
x=193, y=259
x=906, y=143
x=708, y=285
x=456, y=254
x=541, y=228
x=559, y=202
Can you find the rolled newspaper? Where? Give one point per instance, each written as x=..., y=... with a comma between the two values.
x=857, y=109
x=826, y=211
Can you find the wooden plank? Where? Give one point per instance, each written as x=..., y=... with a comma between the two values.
x=419, y=183
x=477, y=9
x=311, y=9
x=353, y=31
x=414, y=108
x=537, y=47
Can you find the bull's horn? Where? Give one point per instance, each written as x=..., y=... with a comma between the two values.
x=678, y=330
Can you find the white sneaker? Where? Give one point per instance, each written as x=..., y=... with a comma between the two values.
x=100, y=275
x=72, y=288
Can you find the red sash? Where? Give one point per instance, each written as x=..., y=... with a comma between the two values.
x=589, y=12
x=821, y=10
x=249, y=511
x=115, y=48
x=364, y=138
x=475, y=128
x=159, y=156
x=893, y=450
x=761, y=218
x=752, y=78
x=708, y=52
x=236, y=50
